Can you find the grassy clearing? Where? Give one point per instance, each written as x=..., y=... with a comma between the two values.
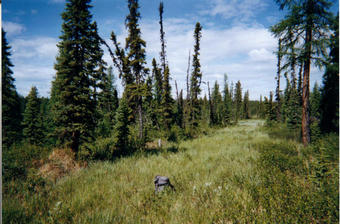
x=229, y=176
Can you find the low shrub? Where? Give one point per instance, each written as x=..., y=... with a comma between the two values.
x=101, y=149
x=297, y=187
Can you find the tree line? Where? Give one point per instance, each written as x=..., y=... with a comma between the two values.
x=308, y=34
x=84, y=112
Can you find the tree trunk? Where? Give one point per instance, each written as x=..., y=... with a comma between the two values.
x=75, y=141
x=305, y=90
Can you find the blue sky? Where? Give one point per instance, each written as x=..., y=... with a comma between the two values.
x=235, y=39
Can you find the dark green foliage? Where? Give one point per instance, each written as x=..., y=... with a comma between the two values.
x=278, y=79
x=293, y=111
x=261, y=110
x=78, y=66
x=32, y=121
x=196, y=78
x=121, y=129
x=307, y=180
x=270, y=110
x=227, y=103
x=158, y=80
x=179, y=114
x=107, y=104
x=217, y=106
x=246, y=106
x=238, y=101
x=291, y=108
x=315, y=98
x=11, y=112
x=131, y=66
x=329, y=105
x=167, y=101
x=306, y=22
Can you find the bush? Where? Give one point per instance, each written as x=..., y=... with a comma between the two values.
x=298, y=188
x=17, y=159
x=283, y=132
x=101, y=149
x=176, y=134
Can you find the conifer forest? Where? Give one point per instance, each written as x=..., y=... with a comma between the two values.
x=89, y=152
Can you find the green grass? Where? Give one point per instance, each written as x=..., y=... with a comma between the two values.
x=229, y=176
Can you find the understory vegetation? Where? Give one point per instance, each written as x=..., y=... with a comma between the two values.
x=232, y=175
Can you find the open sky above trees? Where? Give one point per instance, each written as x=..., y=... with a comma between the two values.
x=235, y=39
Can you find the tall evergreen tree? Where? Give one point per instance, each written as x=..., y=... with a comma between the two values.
x=246, y=110
x=227, y=103
x=217, y=105
x=238, y=101
x=308, y=21
x=270, y=109
x=278, y=79
x=131, y=66
x=158, y=82
x=261, y=109
x=167, y=101
x=196, y=78
x=107, y=103
x=162, y=33
x=315, y=98
x=180, y=110
x=121, y=129
x=329, y=105
x=78, y=67
x=11, y=117
x=32, y=122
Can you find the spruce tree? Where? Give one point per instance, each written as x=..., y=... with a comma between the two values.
x=107, y=104
x=315, y=98
x=167, y=101
x=11, y=117
x=270, y=110
x=246, y=110
x=78, y=66
x=196, y=78
x=278, y=79
x=217, y=105
x=180, y=110
x=157, y=92
x=261, y=109
x=121, y=128
x=131, y=66
x=238, y=101
x=307, y=20
x=227, y=103
x=329, y=105
x=158, y=81
x=32, y=121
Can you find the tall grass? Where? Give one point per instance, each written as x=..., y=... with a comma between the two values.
x=230, y=176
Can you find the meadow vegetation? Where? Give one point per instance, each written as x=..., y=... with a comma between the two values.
x=232, y=175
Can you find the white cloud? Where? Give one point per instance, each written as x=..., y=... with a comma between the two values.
x=241, y=10
x=57, y=1
x=30, y=75
x=13, y=29
x=243, y=52
x=39, y=47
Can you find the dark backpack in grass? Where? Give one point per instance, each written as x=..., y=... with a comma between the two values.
x=161, y=182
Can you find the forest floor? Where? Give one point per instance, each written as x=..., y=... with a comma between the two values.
x=218, y=179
